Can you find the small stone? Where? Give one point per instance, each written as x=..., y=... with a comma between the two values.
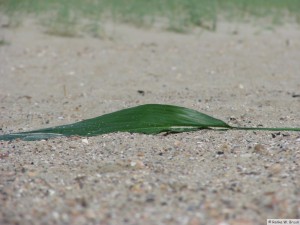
x=260, y=149
x=177, y=143
x=275, y=168
x=224, y=149
x=32, y=173
x=141, y=92
x=51, y=192
x=194, y=221
x=220, y=152
x=150, y=198
x=140, y=154
x=137, y=164
x=132, y=164
x=137, y=188
x=85, y=141
x=55, y=215
x=91, y=214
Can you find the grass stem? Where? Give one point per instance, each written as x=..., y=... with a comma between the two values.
x=267, y=128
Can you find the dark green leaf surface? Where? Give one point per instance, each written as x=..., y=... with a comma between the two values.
x=147, y=119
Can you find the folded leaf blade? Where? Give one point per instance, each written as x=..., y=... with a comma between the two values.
x=148, y=119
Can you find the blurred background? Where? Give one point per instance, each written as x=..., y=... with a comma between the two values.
x=71, y=17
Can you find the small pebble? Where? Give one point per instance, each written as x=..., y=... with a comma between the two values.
x=260, y=149
x=225, y=149
x=275, y=168
x=194, y=221
x=177, y=143
x=137, y=164
x=85, y=141
x=140, y=154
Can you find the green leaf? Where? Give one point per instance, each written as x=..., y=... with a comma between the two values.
x=147, y=119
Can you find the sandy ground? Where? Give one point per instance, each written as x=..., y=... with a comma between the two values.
x=242, y=74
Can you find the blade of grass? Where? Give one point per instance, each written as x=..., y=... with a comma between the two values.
x=147, y=119
x=267, y=128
